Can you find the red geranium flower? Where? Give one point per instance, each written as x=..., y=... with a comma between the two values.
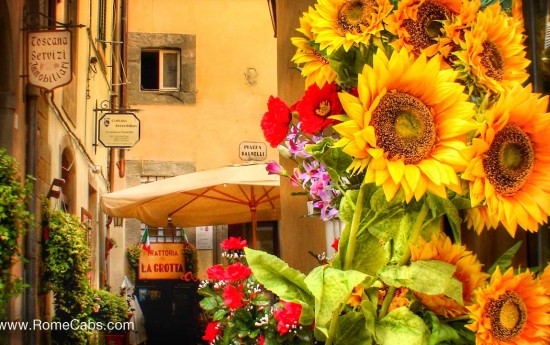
x=317, y=105
x=233, y=296
x=275, y=121
x=233, y=243
x=216, y=272
x=237, y=272
x=287, y=317
x=261, y=340
x=211, y=331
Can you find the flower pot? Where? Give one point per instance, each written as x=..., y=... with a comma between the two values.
x=115, y=339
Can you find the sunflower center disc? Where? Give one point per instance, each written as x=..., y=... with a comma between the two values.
x=355, y=13
x=404, y=127
x=323, y=109
x=427, y=26
x=509, y=160
x=508, y=315
x=492, y=60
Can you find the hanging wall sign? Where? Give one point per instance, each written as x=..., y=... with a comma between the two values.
x=49, y=62
x=119, y=130
x=165, y=261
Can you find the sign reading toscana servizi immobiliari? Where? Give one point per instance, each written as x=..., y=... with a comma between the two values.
x=49, y=62
x=165, y=261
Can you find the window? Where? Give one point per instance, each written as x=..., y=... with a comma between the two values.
x=160, y=69
x=166, y=235
x=168, y=73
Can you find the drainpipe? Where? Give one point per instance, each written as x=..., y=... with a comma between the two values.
x=31, y=243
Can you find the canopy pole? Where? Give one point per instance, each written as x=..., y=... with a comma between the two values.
x=253, y=212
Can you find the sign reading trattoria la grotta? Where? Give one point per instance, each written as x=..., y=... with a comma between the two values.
x=165, y=261
x=49, y=62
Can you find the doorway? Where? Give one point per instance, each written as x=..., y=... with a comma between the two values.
x=171, y=311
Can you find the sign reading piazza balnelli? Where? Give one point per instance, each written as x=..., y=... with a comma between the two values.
x=49, y=61
x=165, y=261
x=119, y=130
x=252, y=151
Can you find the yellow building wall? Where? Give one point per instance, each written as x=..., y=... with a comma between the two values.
x=233, y=38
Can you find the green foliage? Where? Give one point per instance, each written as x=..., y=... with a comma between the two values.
x=15, y=218
x=132, y=255
x=112, y=308
x=191, y=260
x=287, y=283
x=66, y=265
x=420, y=276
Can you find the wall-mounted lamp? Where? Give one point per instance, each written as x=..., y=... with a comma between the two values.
x=93, y=62
x=118, y=222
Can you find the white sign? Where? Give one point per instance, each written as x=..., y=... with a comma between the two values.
x=204, y=237
x=252, y=151
x=119, y=130
x=49, y=58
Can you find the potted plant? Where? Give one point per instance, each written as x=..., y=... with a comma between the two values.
x=111, y=314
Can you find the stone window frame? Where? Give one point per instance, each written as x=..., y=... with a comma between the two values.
x=186, y=44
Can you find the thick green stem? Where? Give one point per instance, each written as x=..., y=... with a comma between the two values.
x=334, y=320
x=350, y=250
x=413, y=239
x=333, y=326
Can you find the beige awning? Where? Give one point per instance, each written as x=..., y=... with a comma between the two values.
x=227, y=195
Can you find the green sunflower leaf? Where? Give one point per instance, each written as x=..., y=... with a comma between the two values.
x=352, y=329
x=401, y=326
x=284, y=281
x=505, y=260
x=330, y=287
x=431, y=277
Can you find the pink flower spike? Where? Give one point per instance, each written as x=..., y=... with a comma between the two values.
x=274, y=168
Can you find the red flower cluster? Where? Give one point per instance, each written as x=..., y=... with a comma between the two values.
x=314, y=110
x=288, y=317
x=232, y=273
x=211, y=331
x=316, y=106
x=275, y=121
x=233, y=296
x=233, y=243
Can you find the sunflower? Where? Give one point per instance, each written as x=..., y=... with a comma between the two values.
x=468, y=272
x=418, y=24
x=509, y=161
x=492, y=55
x=512, y=309
x=454, y=29
x=407, y=133
x=316, y=68
x=340, y=23
x=544, y=280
